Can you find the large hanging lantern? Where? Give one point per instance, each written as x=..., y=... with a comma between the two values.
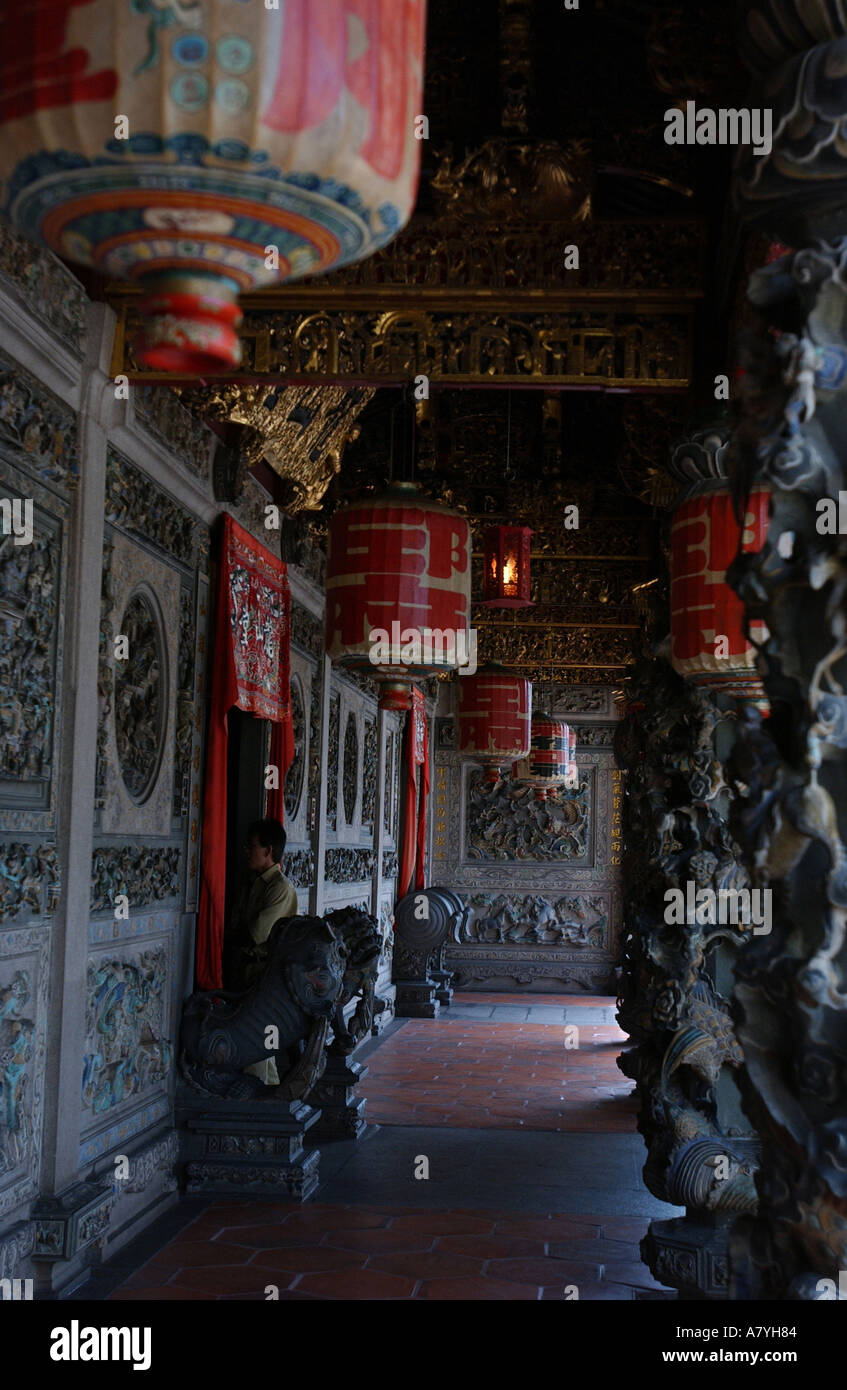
x=204, y=147
x=506, y=567
x=398, y=588
x=708, y=645
x=495, y=711
x=545, y=768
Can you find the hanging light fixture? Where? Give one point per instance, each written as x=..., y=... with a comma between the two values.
x=255, y=143
x=545, y=768
x=506, y=562
x=495, y=711
x=398, y=589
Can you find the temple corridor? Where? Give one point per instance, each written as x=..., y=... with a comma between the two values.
x=534, y=1180
x=423, y=669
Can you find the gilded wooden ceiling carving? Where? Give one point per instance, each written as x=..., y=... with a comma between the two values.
x=301, y=431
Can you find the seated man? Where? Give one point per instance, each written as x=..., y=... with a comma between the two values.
x=269, y=897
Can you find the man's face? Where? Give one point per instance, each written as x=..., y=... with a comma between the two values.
x=259, y=857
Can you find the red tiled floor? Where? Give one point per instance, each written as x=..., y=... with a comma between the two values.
x=475, y=1290
x=342, y=1253
x=494, y=1075
x=465, y=1073
x=361, y=1283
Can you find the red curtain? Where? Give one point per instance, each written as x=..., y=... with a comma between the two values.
x=251, y=671
x=414, y=807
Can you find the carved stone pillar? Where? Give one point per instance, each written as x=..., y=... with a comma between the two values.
x=681, y=864
x=790, y=998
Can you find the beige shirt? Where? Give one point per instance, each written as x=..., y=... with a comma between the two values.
x=271, y=897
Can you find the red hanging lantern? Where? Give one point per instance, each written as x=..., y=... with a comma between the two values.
x=398, y=588
x=201, y=147
x=545, y=768
x=506, y=567
x=708, y=645
x=495, y=711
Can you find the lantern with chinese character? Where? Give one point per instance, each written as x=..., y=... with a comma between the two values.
x=398, y=588
x=708, y=645
x=203, y=147
x=495, y=710
x=506, y=567
x=545, y=768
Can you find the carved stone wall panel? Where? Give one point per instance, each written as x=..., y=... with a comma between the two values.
x=542, y=878
x=306, y=704
x=332, y=767
x=197, y=732
x=345, y=865
x=52, y=294
x=32, y=586
x=145, y=874
x=506, y=822
x=345, y=772
x=24, y=984
x=129, y=1044
x=350, y=770
x=294, y=778
x=369, y=777
x=37, y=430
x=147, y=609
x=137, y=506
x=160, y=411
x=30, y=880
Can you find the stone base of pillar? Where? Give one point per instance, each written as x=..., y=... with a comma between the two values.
x=247, y=1147
x=417, y=999
x=342, y=1112
x=444, y=983
x=691, y=1254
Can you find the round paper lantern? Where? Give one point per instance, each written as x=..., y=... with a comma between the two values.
x=506, y=567
x=495, y=710
x=203, y=147
x=545, y=768
x=708, y=645
x=398, y=587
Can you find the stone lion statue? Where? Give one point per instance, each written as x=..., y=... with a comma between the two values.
x=296, y=994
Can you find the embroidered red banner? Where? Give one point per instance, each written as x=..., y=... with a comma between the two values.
x=251, y=671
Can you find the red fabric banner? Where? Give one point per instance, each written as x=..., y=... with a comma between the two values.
x=414, y=806
x=251, y=671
